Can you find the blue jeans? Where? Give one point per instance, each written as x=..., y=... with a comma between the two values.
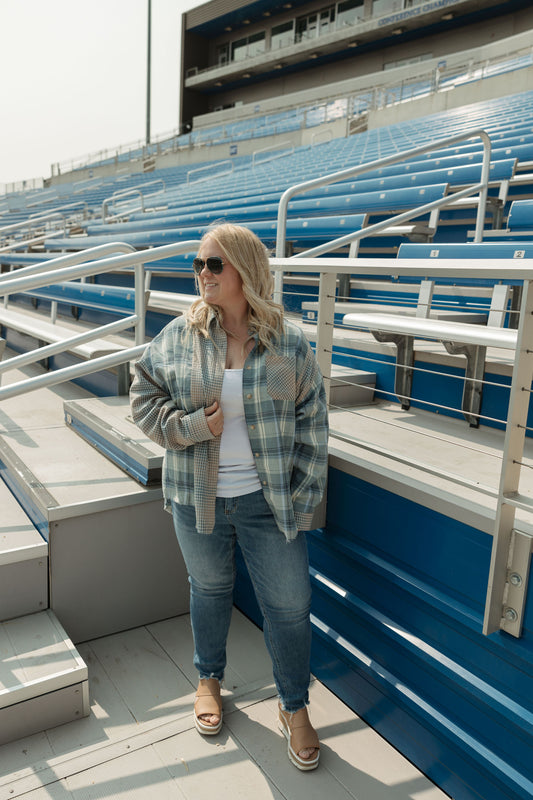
x=279, y=571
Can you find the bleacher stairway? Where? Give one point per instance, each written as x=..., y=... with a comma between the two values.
x=85, y=551
x=43, y=680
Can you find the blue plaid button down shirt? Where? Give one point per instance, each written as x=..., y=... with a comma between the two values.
x=181, y=372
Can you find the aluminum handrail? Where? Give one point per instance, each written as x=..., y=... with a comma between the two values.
x=34, y=220
x=405, y=216
x=511, y=547
x=66, y=344
x=86, y=183
x=277, y=152
x=21, y=283
x=70, y=260
x=65, y=261
x=353, y=172
x=321, y=137
x=71, y=373
x=37, y=276
x=137, y=190
x=143, y=185
x=27, y=242
x=124, y=194
x=209, y=168
x=65, y=207
x=39, y=198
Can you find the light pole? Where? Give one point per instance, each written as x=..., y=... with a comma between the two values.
x=148, y=72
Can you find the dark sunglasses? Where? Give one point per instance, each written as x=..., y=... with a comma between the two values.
x=214, y=264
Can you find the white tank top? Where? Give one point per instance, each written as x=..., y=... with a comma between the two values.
x=237, y=474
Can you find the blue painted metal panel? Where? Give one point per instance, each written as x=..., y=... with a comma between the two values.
x=404, y=606
x=397, y=621
x=102, y=384
x=169, y=274
x=466, y=250
x=521, y=215
x=391, y=708
x=103, y=298
x=412, y=600
x=115, y=454
x=19, y=491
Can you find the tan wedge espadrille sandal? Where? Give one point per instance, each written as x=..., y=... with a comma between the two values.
x=300, y=735
x=208, y=702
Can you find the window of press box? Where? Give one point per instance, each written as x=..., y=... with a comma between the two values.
x=316, y=24
x=349, y=12
x=248, y=47
x=381, y=7
x=223, y=54
x=282, y=35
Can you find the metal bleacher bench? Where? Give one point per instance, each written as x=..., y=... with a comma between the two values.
x=377, y=296
x=519, y=224
x=406, y=299
x=39, y=327
x=169, y=302
x=459, y=338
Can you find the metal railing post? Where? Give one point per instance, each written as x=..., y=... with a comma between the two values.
x=485, y=175
x=511, y=549
x=325, y=328
x=140, y=303
x=352, y=172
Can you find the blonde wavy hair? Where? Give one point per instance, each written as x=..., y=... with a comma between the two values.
x=246, y=252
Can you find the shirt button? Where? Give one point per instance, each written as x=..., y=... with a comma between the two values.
x=252, y=427
x=256, y=455
x=249, y=396
x=264, y=483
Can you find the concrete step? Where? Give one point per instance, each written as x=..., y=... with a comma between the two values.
x=23, y=561
x=43, y=679
x=351, y=387
x=105, y=422
x=114, y=562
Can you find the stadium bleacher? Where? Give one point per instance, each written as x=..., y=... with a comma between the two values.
x=473, y=318
x=274, y=176
x=165, y=205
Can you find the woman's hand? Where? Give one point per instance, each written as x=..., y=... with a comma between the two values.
x=215, y=418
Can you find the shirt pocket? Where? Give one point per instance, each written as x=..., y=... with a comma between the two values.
x=281, y=377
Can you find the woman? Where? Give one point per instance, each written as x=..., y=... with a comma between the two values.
x=234, y=395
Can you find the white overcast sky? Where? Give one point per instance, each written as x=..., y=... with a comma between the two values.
x=73, y=78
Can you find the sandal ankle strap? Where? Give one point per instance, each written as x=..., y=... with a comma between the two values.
x=297, y=722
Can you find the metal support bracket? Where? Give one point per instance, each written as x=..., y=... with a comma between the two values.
x=515, y=593
x=123, y=378
x=343, y=280
x=403, y=375
x=474, y=372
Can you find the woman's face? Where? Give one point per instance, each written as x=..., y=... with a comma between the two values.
x=225, y=289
